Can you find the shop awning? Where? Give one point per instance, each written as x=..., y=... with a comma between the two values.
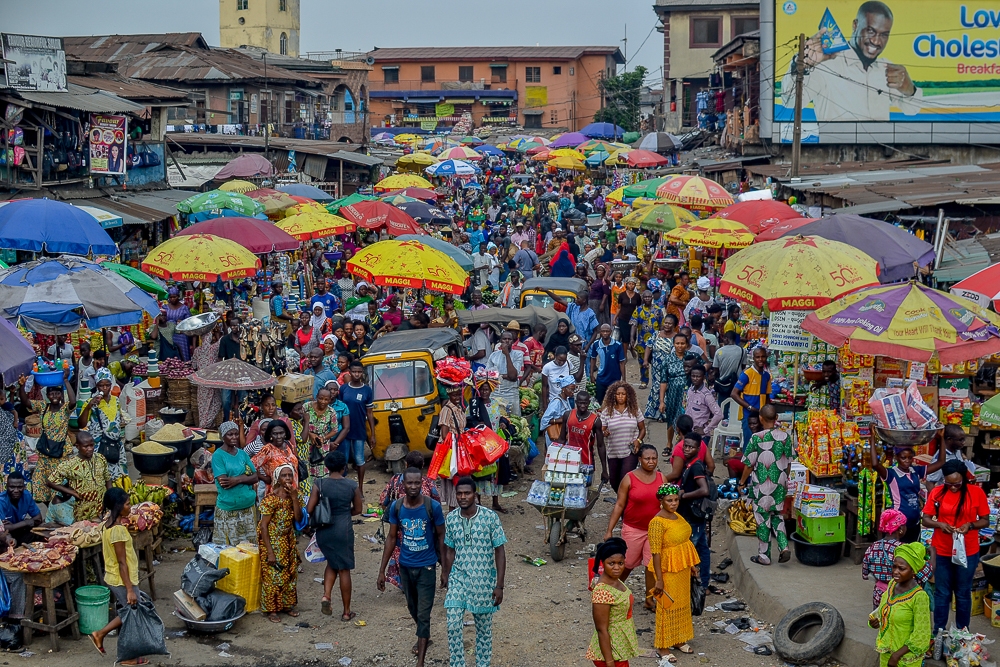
x=107, y=219
x=82, y=98
x=532, y=112
x=356, y=158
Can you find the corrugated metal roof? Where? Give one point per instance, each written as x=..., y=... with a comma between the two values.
x=960, y=259
x=130, y=89
x=113, y=47
x=82, y=98
x=884, y=206
x=469, y=53
x=674, y=5
x=356, y=158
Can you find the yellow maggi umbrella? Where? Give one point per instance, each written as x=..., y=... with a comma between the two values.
x=567, y=152
x=640, y=202
x=694, y=191
x=406, y=138
x=239, y=186
x=203, y=257
x=401, y=181
x=315, y=225
x=417, y=160
x=412, y=263
x=616, y=196
x=617, y=157
x=661, y=218
x=567, y=163
x=713, y=233
x=305, y=208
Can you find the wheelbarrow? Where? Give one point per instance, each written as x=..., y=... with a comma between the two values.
x=561, y=522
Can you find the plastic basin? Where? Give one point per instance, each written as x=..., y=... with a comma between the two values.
x=154, y=464
x=817, y=555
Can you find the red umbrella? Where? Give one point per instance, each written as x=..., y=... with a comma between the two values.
x=416, y=193
x=536, y=150
x=378, y=214
x=245, y=166
x=643, y=158
x=257, y=236
x=777, y=230
x=760, y=214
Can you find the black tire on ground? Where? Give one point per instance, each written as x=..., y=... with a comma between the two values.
x=557, y=548
x=790, y=646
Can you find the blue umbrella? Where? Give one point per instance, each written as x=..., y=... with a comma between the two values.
x=453, y=168
x=305, y=190
x=56, y=295
x=603, y=131
x=486, y=149
x=596, y=159
x=16, y=353
x=38, y=225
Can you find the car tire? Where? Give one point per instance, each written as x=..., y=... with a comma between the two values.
x=789, y=645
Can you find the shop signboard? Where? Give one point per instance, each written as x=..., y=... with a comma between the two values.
x=784, y=331
x=444, y=110
x=34, y=63
x=108, y=136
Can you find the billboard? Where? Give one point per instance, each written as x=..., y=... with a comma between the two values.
x=34, y=63
x=108, y=134
x=899, y=61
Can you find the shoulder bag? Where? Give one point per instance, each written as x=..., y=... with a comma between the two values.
x=322, y=515
x=46, y=446
x=703, y=508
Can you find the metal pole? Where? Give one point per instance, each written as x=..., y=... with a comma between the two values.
x=797, y=129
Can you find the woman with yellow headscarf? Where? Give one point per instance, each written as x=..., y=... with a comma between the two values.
x=903, y=617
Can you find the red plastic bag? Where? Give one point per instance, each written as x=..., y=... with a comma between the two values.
x=440, y=459
x=462, y=459
x=483, y=445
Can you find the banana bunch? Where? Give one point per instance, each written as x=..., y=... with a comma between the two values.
x=124, y=483
x=741, y=519
x=141, y=492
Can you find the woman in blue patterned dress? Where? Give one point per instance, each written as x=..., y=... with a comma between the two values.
x=669, y=382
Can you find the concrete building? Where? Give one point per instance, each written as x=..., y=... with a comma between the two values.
x=692, y=32
x=532, y=86
x=268, y=24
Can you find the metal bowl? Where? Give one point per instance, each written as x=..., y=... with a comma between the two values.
x=669, y=262
x=624, y=264
x=209, y=627
x=900, y=438
x=198, y=325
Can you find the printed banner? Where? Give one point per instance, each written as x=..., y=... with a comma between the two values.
x=107, y=143
x=34, y=63
x=444, y=110
x=784, y=331
x=913, y=61
x=536, y=96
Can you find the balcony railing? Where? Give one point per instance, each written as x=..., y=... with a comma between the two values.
x=378, y=83
x=337, y=54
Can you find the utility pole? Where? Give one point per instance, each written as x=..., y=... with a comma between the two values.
x=800, y=66
x=267, y=147
x=625, y=47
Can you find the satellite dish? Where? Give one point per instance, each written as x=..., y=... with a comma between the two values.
x=369, y=60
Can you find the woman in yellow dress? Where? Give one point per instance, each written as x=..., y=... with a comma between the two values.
x=675, y=561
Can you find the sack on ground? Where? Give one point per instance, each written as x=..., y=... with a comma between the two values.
x=199, y=577
x=221, y=606
x=142, y=632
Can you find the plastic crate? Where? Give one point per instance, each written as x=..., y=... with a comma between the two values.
x=243, y=579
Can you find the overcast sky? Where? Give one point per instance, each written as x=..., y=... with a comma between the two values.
x=360, y=25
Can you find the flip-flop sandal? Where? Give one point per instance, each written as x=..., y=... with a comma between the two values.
x=762, y=650
x=685, y=649
x=721, y=577
x=784, y=557
x=414, y=649
x=273, y=618
x=725, y=563
x=138, y=661
x=671, y=658
x=292, y=613
x=715, y=590
x=326, y=607
x=348, y=617
x=759, y=560
x=100, y=649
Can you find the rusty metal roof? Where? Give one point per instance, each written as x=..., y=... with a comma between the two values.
x=107, y=48
x=82, y=98
x=494, y=53
x=130, y=89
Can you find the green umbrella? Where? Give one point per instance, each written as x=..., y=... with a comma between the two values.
x=645, y=188
x=462, y=258
x=990, y=412
x=335, y=206
x=219, y=199
x=3, y=265
x=630, y=137
x=141, y=280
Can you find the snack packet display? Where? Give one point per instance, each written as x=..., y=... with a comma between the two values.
x=833, y=40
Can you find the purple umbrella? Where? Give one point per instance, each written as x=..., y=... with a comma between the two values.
x=246, y=166
x=569, y=140
x=16, y=353
x=894, y=248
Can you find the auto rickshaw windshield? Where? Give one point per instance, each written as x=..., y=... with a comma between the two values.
x=400, y=379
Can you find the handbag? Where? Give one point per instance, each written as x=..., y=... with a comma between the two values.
x=484, y=445
x=46, y=446
x=697, y=597
x=302, y=469
x=148, y=157
x=316, y=455
x=322, y=515
x=440, y=461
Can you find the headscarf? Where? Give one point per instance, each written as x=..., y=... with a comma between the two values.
x=891, y=521
x=277, y=474
x=173, y=291
x=563, y=381
x=606, y=550
x=318, y=321
x=103, y=373
x=668, y=490
x=226, y=427
x=134, y=358
x=654, y=285
x=487, y=377
x=914, y=554
x=631, y=279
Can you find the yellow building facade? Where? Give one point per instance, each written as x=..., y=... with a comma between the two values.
x=268, y=24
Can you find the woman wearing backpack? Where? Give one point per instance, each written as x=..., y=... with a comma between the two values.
x=342, y=498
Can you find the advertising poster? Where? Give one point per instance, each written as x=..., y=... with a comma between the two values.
x=34, y=63
x=784, y=331
x=913, y=61
x=108, y=134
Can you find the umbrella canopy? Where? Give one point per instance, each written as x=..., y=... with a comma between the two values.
x=660, y=218
x=396, y=200
x=416, y=161
x=569, y=140
x=200, y=257
x=779, y=229
x=378, y=214
x=591, y=146
x=306, y=190
x=424, y=213
x=797, y=273
x=416, y=193
x=907, y=321
x=541, y=155
x=659, y=142
x=56, y=295
x=486, y=149
x=16, y=353
x=312, y=225
x=354, y=198
x=641, y=159
x=645, y=188
x=566, y=152
x=246, y=166
x=617, y=196
x=694, y=191
x=38, y=225
x=895, y=249
x=603, y=131
x=462, y=258
x=233, y=374
x=257, y=236
x=538, y=150
x=472, y=141
x=567, y=163
x=640, y=202
x=311, y=206
x=713, y=233
x=459, y=153
x=239, y=186
x=596, y=158
x=400, y=181
x=413, y=264
x=453, y=168
x=274, y=201
x=145, y=282
x=384, y=136
x=981, y=287
x=760, y=214
x=214, y=200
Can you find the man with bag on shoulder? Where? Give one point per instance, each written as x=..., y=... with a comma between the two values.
x=694, y=488
x=417, y=523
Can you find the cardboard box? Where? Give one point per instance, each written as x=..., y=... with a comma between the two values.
x=818, y=501
x=991, y=609
x=188, y=607
x=978, y=597
x=564, y=459
x=821, y=530
x=953, y=387
x=294, y=387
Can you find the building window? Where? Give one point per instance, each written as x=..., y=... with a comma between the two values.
x=706, y=32
x=390, y=75
x=427, y=73
x=744, y=24
x=499, y=74
x=557, y=70
x=533, y=121
x=554, y=117
x=465, y=72
x=283, y=44
x=533, y=74
x=242, y=4
x=289, y=110
x=572, y=71
x=282, y=5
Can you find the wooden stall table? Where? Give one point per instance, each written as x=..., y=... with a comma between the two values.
x=145, y=547
x=205, y=496
x=856, y=545
x=94, y=554
x=49, y=582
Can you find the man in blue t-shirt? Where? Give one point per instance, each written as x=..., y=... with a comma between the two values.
x=18, y=510
x=358, y=397
x=330, y=303
x=607, y=362
x=419, y=521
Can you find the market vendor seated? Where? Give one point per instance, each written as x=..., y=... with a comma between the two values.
x=824, y=394
x=18, y=510
x=122, y=370
x=84, y=477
